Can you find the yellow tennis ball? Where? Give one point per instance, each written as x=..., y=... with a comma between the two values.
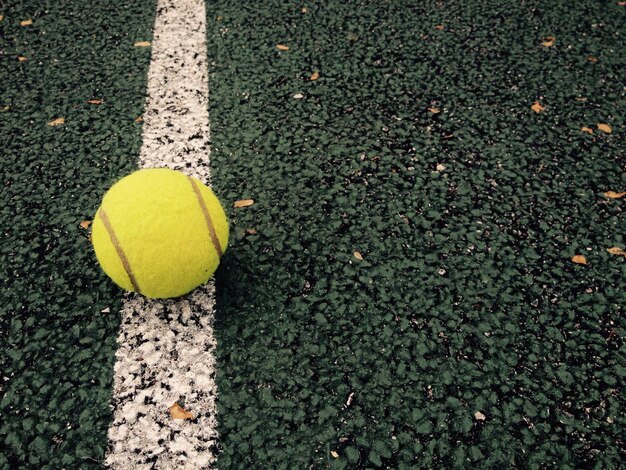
x=159, y=232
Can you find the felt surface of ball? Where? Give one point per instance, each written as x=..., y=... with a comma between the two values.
x=159, y=232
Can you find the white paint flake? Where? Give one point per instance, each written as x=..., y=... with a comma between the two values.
x=165, y=355
x=166, y=347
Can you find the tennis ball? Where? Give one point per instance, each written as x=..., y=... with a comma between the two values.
x=159, y=232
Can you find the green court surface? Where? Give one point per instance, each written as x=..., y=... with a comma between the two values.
x=401, y=294
x=56, y=343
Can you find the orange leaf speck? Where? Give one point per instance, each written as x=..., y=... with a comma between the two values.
x=536, y=107
x=57, y=122
x=244, y=203
x=579, y=259
x=616, y=250
x=178, y=412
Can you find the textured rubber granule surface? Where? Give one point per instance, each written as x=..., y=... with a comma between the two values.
x=58, y=311
x=466, y=336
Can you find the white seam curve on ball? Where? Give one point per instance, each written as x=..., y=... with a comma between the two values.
x=166, y=348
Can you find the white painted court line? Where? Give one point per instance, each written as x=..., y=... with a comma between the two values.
x=166, y=348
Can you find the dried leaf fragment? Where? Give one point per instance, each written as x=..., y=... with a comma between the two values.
x=1, y=17
x=614, y=195
x=616, y=250
x=251, y=231
x=440, y=27
x=282, y=47
x=304, y=10
x=588, y=130
x=244, y=203
x=479, y=416
x=57, y=122
x=434, y=110
x=334, y=454
x=548, y=41
x=315, y=76
x=622, y=4
x=21, y=58
x=94, y=101
x=579, y=259
x=27, y=22
x=178, y=412
x=581, y=99
x=592, y=59
x=536, y=107
x=142, y=44
x=358, y=255
x=85, y=224
x=138, y=119
x=605, y=128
